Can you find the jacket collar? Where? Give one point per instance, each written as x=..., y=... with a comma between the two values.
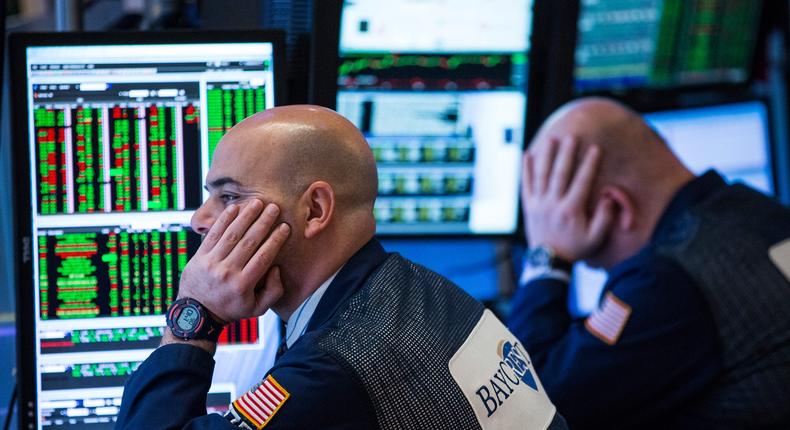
x=350, y=279
x=691, y=194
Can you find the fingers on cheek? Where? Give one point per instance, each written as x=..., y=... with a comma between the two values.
x=231, y=237
x=263, y=259
x=271, y=211
x=213, y=235
x=248, y=244
x=216, y=230
x=283, y=231
x=229, y=214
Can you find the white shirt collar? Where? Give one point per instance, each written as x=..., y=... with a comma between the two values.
x=297, y=323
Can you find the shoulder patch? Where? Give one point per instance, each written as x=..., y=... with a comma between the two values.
x=608, y=321
x=256, y=407
x=495, y=374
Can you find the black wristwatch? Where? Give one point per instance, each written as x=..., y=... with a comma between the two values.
x=543, y=257
x=188, y=319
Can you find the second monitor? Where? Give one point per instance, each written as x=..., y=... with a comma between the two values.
x=440, y=94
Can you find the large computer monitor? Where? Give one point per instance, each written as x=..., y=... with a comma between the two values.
x=439, y=90
x=113, y=138
x=664, y=43
x=732, y=138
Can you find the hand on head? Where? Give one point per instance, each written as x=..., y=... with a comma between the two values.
x=556, y=197
x=237, y=253
x=596, y=180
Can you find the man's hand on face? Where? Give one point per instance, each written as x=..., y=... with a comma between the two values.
x=556, y=198
x=235, y=255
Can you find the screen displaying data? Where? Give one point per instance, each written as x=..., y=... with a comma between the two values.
x=439, y=90
x=734, y=139
x=663, y=43
x=120, y=139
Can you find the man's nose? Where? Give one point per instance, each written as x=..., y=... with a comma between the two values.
x=203, y=218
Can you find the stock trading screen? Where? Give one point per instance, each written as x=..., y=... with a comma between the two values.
x=111, y=272
x=120, y=140
x=662, y=43
x=228, y=104
x=442, y=106
x=110, y=152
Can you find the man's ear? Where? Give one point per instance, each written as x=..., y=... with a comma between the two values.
x=319, y=200
x=625, y=212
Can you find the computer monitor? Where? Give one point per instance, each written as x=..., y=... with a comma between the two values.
x=664, y=43
x=732, y=138
x=113, y=138
x=439, y=90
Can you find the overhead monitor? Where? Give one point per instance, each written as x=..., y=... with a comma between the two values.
x=732, y=138
x=113, y=138
x=664, y=43
x=439, y=90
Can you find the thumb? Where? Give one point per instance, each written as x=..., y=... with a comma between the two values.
x=270, y=293
x=601, y=221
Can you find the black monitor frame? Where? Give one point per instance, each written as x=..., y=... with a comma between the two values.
x=23, y=194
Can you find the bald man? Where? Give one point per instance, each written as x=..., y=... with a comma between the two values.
x=371, y=341
x=691, y=330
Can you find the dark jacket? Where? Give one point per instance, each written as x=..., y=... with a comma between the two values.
x=691, y=332
x=375, y=355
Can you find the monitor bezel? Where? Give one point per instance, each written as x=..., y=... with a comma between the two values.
x=23, y=193
x=325, y=60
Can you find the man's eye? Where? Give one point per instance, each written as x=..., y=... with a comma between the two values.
x=227, y=198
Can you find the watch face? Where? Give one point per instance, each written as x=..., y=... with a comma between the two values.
x=540, y=257
x=188, y=319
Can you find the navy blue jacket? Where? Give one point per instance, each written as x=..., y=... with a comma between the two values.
x=169, y=389
x=665, y=357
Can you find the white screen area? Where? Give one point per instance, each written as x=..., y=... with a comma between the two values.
x=120, y=139
x=435, y=26
x=439, y=90
x=733, y=139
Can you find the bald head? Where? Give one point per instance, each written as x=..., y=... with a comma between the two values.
x=637, y=177
x=300, y=144
x=633, y=154
x=319, y=171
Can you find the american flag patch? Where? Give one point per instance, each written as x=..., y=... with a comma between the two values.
x=256, y=407
x=607, y=322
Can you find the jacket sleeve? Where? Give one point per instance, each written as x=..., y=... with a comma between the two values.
x=168, y=391
x=649, y=347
